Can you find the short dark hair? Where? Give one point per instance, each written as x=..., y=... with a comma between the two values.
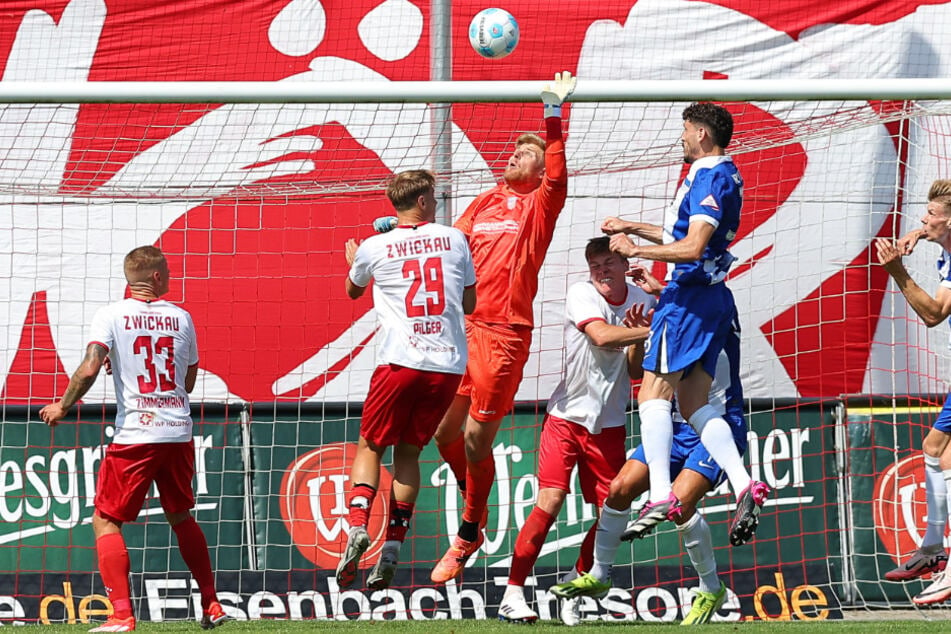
x=599, y=246
x=406, y=187
x=716, y=119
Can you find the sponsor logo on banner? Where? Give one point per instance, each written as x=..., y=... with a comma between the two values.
x=795, y=593
x=314, y=505
x=900, y=506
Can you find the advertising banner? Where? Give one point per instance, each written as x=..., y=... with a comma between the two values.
x=888, y=510
x=271, y=487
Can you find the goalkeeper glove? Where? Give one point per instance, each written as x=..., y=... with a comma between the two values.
x=554, y=96
x=384, y=224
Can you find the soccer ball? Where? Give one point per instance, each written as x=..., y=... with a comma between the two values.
x=493, y=33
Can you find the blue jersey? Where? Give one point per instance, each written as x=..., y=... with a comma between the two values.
x=712, y=192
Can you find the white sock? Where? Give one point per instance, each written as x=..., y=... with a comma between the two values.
x=657, y=437
x=696, y=536
x=607, y=540
x=947, y=487
x=717, y=437
x=936, y=496
x=513, y=591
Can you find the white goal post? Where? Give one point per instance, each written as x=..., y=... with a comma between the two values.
x=588, y=90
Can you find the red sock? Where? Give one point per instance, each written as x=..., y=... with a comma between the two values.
x=528, y=544
x=400, y=515
x=479, y=479
x=194, y=549
x=454, y=454
x=586, y=554
x=360, y=502
x=114, y=569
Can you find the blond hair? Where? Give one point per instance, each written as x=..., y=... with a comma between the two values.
x=940, y=192
x=140, y=262
x=405, y=188
x=530, y=139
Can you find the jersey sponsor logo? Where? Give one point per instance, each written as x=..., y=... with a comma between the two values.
x=710, y=202
x=313, y=503
x=500, y=226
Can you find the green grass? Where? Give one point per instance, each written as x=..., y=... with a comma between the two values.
x=933, y=624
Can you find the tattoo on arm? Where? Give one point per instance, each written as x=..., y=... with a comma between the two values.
x=84, y=376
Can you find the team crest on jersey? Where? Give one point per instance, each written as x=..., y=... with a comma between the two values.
x=512, y=201
x=710, y=202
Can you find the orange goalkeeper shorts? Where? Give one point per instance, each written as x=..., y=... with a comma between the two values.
x=497, y=356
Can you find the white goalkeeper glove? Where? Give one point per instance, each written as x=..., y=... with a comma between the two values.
x=554, y=96
x=384, y=224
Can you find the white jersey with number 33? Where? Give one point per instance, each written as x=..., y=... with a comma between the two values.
x=420, y=273
x=151, y=346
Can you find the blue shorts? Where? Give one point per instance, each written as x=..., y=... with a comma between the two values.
x=687, y=452
x=943, y=422
x=690, y=324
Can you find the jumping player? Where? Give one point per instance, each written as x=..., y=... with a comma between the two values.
x=425, y=281
x=605, y=317
x=693, y=317
x=695, y=474
x=509, y=229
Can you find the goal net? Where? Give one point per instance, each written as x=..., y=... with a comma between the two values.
x=253, y=202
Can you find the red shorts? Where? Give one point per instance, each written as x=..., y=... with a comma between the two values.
x=599, y=457
x=404, y=406
x=497, y=356
x=127, y=472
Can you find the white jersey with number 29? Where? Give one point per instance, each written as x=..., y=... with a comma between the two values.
x=151, y=346
x=420, y=273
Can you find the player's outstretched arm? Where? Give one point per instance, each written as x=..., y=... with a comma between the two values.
x=932, y=310
x=647, y=231
x=82, y=379
x=688, y=249
x=554, y=95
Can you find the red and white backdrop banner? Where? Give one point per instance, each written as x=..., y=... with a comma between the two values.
x=263, y=274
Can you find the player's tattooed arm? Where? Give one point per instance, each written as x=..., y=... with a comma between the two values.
x=82, y=379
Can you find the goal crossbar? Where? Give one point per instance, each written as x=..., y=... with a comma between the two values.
x=591, y=90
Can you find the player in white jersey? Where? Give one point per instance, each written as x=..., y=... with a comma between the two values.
x=153, y=352
x=424, y=284
x=695, y=474
x=931, y=556
x=606, y=318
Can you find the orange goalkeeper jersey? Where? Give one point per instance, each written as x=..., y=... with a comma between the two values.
x=509, y=234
